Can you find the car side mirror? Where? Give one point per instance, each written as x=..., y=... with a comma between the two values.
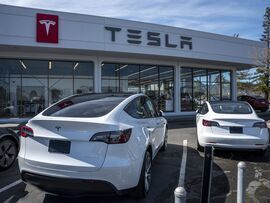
x=161, y=113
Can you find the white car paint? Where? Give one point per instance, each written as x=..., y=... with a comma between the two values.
x=219, y=136
x=117, y=164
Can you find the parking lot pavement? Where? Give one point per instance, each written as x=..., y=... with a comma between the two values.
x=165, y=177
x=165, y=173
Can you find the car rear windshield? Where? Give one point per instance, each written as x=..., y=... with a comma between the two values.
x=259, y=97
x=231, y=108
x=85, y=106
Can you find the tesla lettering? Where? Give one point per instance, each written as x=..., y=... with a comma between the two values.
x=153, y=38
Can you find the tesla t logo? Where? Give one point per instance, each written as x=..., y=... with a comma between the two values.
x=47, y=24
x=47, y=28
x=57, y=128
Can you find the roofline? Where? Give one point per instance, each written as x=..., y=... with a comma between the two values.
x=257, y=42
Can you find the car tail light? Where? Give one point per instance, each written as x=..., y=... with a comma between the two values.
x=260, y=125
x=112, y=137
x=209, y=123
x=26, y=131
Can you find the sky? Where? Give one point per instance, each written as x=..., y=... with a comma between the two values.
x=227, y=17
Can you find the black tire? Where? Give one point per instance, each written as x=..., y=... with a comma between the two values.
x=143, y=187
x=262, y=152
x=199, y=147
x=165, y=143
x=8, y=153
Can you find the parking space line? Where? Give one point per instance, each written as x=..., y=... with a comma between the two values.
x=10, y=185
x=183, y=165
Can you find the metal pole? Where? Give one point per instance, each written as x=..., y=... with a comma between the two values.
x=207, y=174
x=180, y=195
x=241, y=182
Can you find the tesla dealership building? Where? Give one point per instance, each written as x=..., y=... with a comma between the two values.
x=48, y=55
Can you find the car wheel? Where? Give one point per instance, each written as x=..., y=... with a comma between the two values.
x=145, y=177
x=262, y=152
x=199, y=147
x=8, y=153
x=165, y=143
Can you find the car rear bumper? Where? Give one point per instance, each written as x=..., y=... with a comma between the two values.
x=244, y=143
x=122, y=175
x=70, y=186
x=236, y=147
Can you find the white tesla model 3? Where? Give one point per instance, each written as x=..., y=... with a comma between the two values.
x=93, y=143
x=231, y=125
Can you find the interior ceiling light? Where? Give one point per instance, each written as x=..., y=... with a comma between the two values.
x=121, y=67
x=75, y=66
x=23, y=65
x=142, y=71
x=50, y=65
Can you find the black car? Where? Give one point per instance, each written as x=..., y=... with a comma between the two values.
x=9, y=145
x=257, y=102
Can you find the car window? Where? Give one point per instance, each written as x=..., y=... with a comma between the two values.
x=204, y=109
x=150, y=108
x=231, y=108
x=84, y=106
x=258, y=97
x=137, y=108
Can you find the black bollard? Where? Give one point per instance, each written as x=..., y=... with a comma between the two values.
x=207, y=174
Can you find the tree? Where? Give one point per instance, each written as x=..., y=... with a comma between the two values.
x=244, y=82
x=261, y=77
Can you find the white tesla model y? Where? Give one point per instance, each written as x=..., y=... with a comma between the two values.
x=93, y=143
x=231, y=125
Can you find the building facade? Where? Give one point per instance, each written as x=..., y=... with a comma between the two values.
x=48, y=55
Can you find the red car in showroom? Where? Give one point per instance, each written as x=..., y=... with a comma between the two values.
x=257, y=102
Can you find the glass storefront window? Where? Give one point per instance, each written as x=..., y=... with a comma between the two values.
x=226, y=85
x=31, y=93
x=149, y=82
x=203, y=84
x=199, y=87
x=155, y=81
x=226, y=91
x=214, y=92
x=83, y=77
x=166, y=80
x=59, y=89
x=110, y=77
x=129, y=78
x=186, y=89
x=32, y=96
x=225, y=76
x=29, y=86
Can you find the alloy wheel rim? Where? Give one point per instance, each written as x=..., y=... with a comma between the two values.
x=147, y=175
x=7, y=153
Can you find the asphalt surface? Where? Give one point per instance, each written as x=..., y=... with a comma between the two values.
x=165, y=177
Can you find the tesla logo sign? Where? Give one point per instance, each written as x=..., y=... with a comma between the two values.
x=47, y=28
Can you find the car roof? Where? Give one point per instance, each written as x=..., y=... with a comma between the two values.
x=104, y=95
x=226, y=101
x=120, y=94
